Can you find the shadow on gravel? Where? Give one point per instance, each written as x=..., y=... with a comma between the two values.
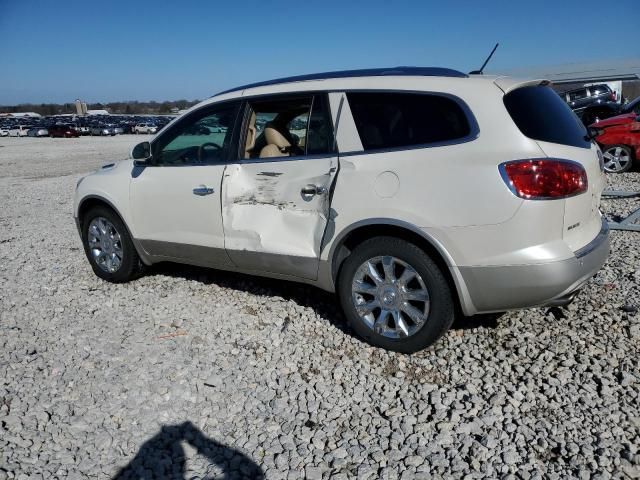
x=323, y=303
x=163, y=457
x=487, y=320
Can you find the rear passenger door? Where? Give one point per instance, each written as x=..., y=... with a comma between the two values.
x=276, y=196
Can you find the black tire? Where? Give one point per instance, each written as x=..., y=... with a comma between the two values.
x=131, y=266
x=442, y=309
x=624, y=149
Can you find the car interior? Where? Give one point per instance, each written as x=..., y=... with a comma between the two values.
x=277, y=128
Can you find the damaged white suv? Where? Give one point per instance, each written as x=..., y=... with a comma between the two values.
x=414, y=193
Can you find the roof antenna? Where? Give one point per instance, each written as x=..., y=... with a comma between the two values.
x=479, y=72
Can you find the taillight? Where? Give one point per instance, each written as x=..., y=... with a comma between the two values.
x=544, y=179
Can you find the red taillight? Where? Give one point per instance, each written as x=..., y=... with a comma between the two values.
x=544, y=179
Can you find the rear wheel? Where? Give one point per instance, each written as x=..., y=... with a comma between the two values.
x=617, y=159
x=109, y=247
x=394, y=295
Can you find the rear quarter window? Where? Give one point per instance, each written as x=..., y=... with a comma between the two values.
x=541, y=115
x=394, y=119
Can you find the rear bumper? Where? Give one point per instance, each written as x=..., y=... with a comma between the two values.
x=498, y=288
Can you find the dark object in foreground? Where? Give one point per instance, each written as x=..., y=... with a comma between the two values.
x=162, y=456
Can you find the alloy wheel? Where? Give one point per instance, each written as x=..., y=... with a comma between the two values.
x=616, y=159
x=390, y=297
x=105, y=244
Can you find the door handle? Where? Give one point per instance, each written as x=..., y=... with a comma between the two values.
x=202, y=190
x=312, y=190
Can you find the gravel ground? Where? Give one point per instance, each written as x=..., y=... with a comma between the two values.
x=189, y=373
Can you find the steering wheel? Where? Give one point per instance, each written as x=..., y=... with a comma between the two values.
x=205, y=145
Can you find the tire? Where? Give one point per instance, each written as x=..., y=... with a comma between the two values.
x=130, y=266
x=439, y=311
x=617, y=158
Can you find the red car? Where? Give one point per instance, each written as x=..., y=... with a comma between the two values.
x=66, y=131
x=619, y=141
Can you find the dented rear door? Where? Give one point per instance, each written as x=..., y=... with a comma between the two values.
x=275, y=212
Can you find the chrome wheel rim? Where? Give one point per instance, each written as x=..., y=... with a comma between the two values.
x=105, y=244
x=390, y=297
x=616, y=159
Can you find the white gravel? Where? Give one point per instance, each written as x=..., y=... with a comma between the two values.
x=189, y=373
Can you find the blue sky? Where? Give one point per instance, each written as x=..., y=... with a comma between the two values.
x=57, y=51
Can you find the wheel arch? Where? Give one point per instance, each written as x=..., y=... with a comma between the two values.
x=360, y=231
x=91, y=201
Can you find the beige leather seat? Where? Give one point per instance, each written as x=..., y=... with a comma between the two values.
x=251, y=136
x=276, y=143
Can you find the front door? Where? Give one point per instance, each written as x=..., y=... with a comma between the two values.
x=176, y=200
x=276, y=199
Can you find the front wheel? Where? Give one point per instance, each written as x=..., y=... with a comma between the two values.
x=617, y=159
x=394, y=295
x=109, y=247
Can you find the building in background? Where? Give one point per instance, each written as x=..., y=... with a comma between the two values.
x=622, y=76
x=21, y=115
x=81, y=107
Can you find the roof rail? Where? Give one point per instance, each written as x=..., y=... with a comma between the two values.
x=367, y=72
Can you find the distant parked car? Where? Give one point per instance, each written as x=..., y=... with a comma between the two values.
x=145, y=128
x=83, y=130
x=38, y=132
x=588, y=102
x=619, y=141
x=4, y=132
x=197, y=130
x=611, y=109
x=63, y=131
x=19, y=131
x=102, y=130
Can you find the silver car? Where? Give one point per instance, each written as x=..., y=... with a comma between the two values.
x=102, y=131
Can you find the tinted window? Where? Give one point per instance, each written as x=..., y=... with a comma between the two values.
x=577, y=94
x=541, y=115
x=599, y=89
x=391, y=120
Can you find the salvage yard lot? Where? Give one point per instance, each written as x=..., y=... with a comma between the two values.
x=188, y=373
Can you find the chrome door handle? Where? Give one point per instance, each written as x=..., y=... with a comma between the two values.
x=311, y=190
x=202, y=190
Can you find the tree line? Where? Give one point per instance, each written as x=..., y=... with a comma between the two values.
x=125, y=107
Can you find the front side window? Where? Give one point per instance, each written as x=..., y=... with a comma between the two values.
x=288, y=127
x=397, y=119
x=202, y=138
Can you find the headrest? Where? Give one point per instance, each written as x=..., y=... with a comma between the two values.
x=274, y=137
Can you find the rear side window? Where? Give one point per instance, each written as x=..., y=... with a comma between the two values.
x=541, y=115
x=577, y=94
x=394, y=120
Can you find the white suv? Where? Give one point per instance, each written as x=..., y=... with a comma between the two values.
x=411, y=192
x=145, y=128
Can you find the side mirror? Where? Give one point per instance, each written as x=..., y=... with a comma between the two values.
x=141, y=153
